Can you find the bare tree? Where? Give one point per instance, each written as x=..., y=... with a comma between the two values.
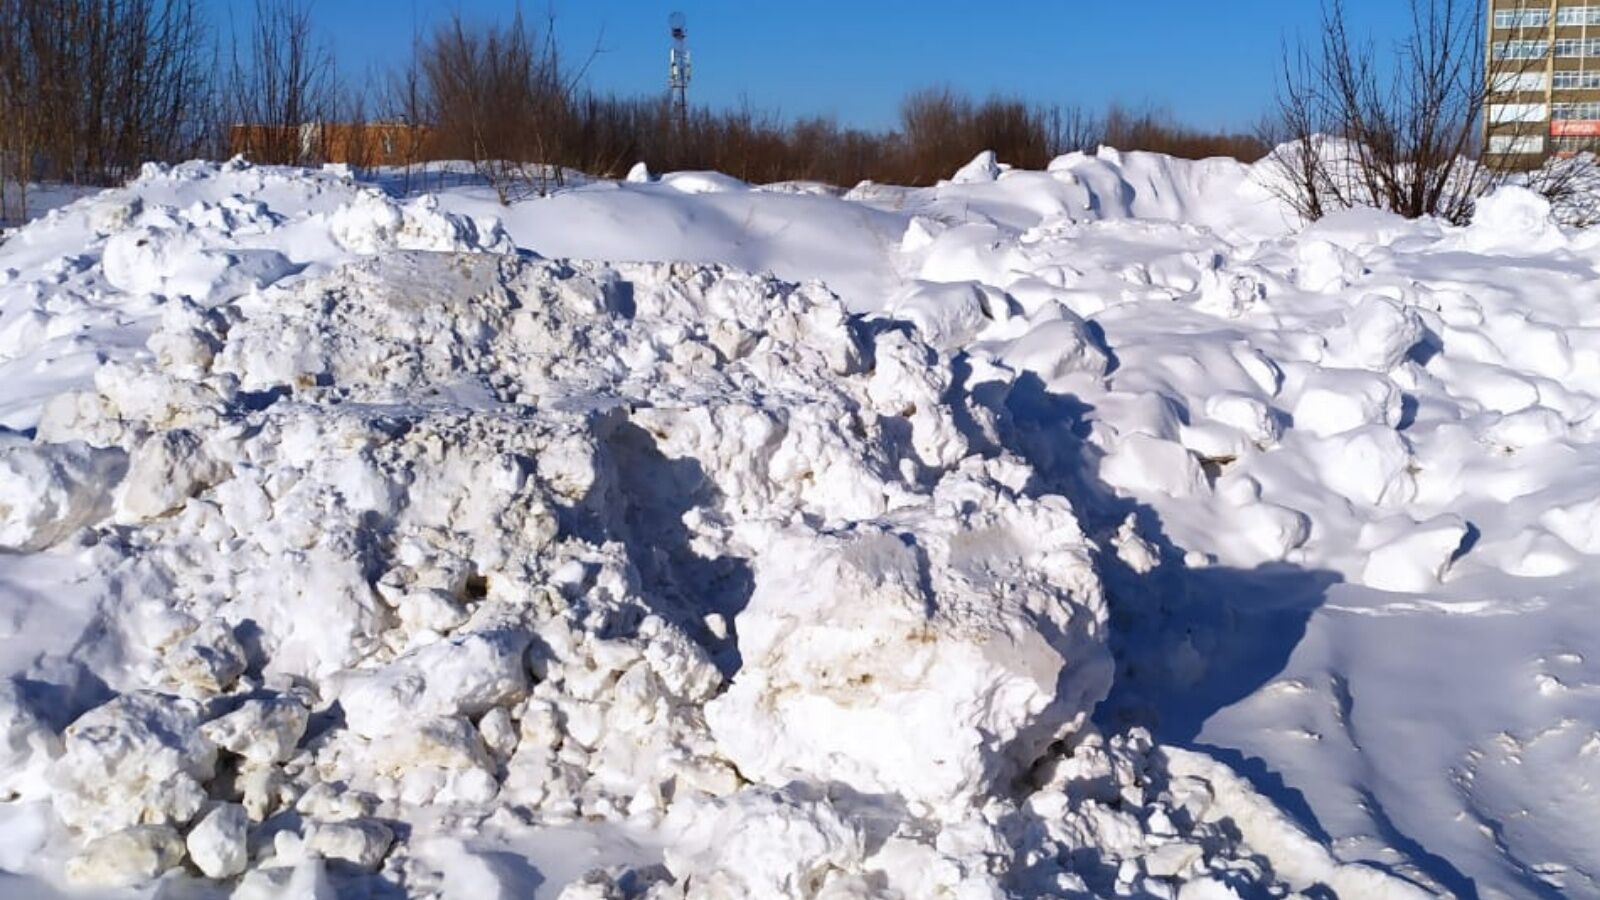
x=403, y=102
x=19, y=110
x=1072, y=128
x=503, y=98
x=1403, y=137
x=281, y=86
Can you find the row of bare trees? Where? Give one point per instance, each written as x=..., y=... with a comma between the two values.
x=503, y=97
x=91, y=88
x=279, y=80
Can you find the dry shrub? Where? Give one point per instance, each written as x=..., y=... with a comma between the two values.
x=1404, y=136
x=1153, y=130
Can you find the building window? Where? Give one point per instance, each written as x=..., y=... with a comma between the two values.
x=1569, y=111
x=1521, y=49
x=1521, y=18
x=1511, y=82
x=1574, y=48
x=1571, y=146
x=1500, y=113
x=1571, y=15
x=1577, y=81
x=1509, y=144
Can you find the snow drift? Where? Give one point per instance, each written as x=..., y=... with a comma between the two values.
x=361, y=543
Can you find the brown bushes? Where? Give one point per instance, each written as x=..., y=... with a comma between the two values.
x=91, y=88
x=1152, y=130
x=502, y=98
x=939, y=131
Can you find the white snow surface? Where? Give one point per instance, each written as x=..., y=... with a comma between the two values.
x=1092, y=532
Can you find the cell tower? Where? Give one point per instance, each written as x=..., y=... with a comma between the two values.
x=679, y=68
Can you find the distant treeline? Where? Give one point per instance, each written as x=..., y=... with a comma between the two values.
x=89, y=89
x=505, y=94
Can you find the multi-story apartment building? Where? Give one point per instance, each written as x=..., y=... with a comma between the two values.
x=1544, y=80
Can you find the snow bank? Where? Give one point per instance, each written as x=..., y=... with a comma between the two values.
x=354, y=544
x=521, y=621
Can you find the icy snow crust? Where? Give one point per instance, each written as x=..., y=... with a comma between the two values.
x=358, y=547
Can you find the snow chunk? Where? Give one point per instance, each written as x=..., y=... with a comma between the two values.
x=1139, y=463
x=1325, y=267
x=462, y=675
x=1531, y=427
x=48, y=491
x=1576, y=523
x=984, y=168
x=360, y=843
x=128, y=857
x=1295, y=856
x=1058, y=346
x=262, y=731
x=1246, y=413
x=1412, y=558
x=1338, y=400
x=949, y=315
x=872, y=659
x=204, y=662
x=1513, y=219
x=163, y=473
x=373, y=222
x=138, y=759
x=175, y=261
x=1377, y=335
x=762, y=842
x=217, y=842
x=1370, y=465
x=703, y=183
x=1270, y=530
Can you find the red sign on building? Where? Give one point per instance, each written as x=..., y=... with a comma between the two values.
x=1575, y=128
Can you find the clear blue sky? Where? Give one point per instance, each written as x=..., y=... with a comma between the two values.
x=1211, y=63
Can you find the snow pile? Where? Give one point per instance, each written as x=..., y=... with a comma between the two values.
x=89, y=280
x=426, y=546
x=354, y=547
x=1337, y=443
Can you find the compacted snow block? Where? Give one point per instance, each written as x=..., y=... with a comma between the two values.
x=49, y=490
x=1411, y=556
x=1512, y=220
x=128, y=857
x=216, y=843
x=137, y=760
x=881, y=658
x=984, y=168
x=762, y=842
x=1377, y=335
x=163, y=473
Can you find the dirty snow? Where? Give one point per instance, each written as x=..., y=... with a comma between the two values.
x=1091, y=532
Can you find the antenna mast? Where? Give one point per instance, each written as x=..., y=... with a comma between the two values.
x=679, y=69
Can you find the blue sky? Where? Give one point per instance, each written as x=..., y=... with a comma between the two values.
x=1210, y=63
